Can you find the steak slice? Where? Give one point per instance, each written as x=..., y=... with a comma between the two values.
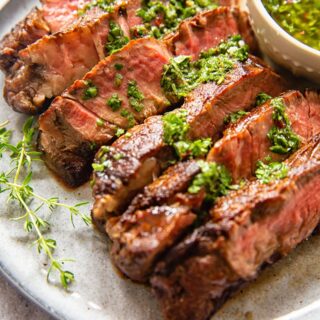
x=73, y=130
x=170, y=188
x=248, y=228
x=246, y=142
x=53, y=63
x=141, y=60
x=52, y=17
x=27, y=31
x=150, y=55
x=206, y=109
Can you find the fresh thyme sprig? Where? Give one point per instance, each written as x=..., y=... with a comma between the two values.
x=16, y=182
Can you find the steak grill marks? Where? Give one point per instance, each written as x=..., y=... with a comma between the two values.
x=150, y=56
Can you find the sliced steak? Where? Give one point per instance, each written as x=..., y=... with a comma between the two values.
x=60, y=14
x=53, y=63
x=74, y=131
x=248, y=228
x=206, y=109
x=141, y=60
x=171, y=187
x=32, y=28
x=52, y=17
x=145, y=69
x=246, y=142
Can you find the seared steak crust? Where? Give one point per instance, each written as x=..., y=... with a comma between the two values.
x=207, y=107
x=246, y=230
x=246, y=141
x=32, y=28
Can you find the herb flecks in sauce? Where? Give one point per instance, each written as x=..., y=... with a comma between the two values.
x=116, y=38
x=105, y=5
x=91, y=90
x=262, y=98
x=271, y=171
x=300, y=18
x=175, y=130
x=234, y=117
x=135, y=96
x=160, y=17
x=114, y=102
x=182, y=75
x=283, y=139
x=213, y=178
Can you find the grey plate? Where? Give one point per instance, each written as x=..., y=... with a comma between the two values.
x=289, y=290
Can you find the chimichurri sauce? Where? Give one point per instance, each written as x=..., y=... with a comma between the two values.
x=300, y=18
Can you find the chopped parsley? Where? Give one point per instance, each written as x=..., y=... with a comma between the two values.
x=116, y=38
x=118, y=80
x=213, y=178
x=181, y=75
x=283, y=139
x=119, y=132
x=262, y=98
x=175, y=130
x=234, y=117
x=129, y=116
x=135, y=96
x=114, y=102
x=160, y=17
x=91, y=90
x=272, y=171
x=118, y=66
x=100, y=123
x=105, y=5
x=118, y=156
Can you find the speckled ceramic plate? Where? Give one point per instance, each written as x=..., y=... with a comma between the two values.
x=288, y=290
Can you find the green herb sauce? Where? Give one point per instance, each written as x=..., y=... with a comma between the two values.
x=175, y=130
x=300, y=18
x=214, y=178
x=135, y=96
x=283, y=139
x=91, y=90
x=116, y=38
x=234, y=117
x=272, y=171
x=114, y=102
x=262, y=98
x=182, y=75
x=160, y=17
x=105, y=5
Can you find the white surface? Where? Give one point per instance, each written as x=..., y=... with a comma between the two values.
x=15, y=306
x=100, y=293
x=3, y=3
x=282, y=47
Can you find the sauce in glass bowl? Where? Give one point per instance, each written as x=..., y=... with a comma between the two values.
x=300, y=18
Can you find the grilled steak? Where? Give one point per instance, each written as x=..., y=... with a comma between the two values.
x=53, y=63
x=32, y=28
x=142, y=60
x=106, y=69
x=170, y=188
x=52, y=17
x=145, y=153
x=246, y=142
x=247, y=229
